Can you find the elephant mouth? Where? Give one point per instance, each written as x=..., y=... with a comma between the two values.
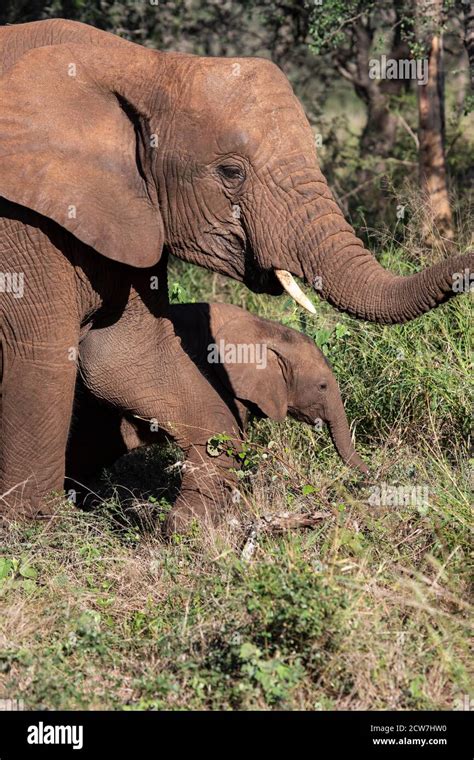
x=277, y=281
x=260, y=280
x=274, y=282
x=265, y=281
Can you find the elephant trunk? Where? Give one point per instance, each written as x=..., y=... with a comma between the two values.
x=341, y=270
x=341, y=435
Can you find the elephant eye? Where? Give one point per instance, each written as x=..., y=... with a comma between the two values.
x=234, y=174
x=323, y=386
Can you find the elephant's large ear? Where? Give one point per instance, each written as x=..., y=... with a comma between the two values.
x=71, y=150
x=250, y=368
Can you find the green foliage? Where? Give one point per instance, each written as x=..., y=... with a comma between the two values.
x=291, y=620
x=17, y=574
x=332, y=20
x=292, y=610
x=273, y=676
x=178, y=295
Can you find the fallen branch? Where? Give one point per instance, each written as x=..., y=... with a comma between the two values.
x=278, y=524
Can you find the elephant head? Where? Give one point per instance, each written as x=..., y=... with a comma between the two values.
x=133, y=150
x=279, y=371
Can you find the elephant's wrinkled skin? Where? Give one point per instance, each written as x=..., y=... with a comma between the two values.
x=112, y=153
x=270, y=369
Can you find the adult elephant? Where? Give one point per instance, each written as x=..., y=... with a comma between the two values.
x=112, y=153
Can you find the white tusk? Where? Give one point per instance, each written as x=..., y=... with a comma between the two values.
x=293, y=289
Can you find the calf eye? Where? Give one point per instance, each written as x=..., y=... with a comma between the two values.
x=323, y=386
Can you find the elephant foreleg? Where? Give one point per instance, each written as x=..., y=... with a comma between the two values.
x=37, y=399
x=206, y=490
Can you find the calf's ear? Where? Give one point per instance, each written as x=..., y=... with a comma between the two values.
x=251, y=369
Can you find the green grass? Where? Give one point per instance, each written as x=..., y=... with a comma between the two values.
x=370, y=610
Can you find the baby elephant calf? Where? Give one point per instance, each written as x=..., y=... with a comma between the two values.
x=202, y=370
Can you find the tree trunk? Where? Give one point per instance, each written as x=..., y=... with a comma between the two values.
x=438, y=224
x=379, y=132
x=469, y=37
x=379, y=135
